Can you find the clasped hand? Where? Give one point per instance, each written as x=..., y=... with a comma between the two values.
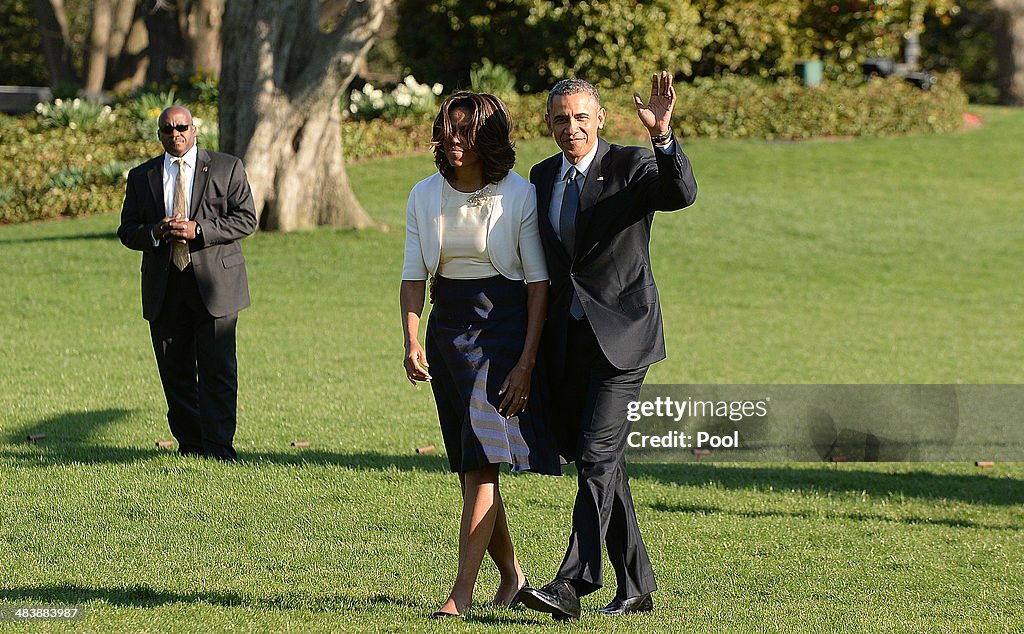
x=174, y=229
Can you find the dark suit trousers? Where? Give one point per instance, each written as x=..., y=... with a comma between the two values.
x=597, y=394
x=195, y=353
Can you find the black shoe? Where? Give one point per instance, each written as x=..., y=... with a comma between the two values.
x=445, y=615
x=618, y=607
x=558, y=599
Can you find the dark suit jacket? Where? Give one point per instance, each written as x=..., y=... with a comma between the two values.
x=221, y=204
x=611, y=270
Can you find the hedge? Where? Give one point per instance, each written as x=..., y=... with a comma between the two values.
x=60, y=172
x=730, y=107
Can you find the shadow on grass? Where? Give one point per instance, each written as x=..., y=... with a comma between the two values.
x=70, y=427
x=979, y=488
x=698, y=509
x=101, y=235
x=141, y=596
x=66, y=440
x=68, y=436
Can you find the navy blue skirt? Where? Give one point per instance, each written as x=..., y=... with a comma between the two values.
x=475, y=336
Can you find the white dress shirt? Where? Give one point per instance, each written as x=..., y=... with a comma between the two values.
x=171, y=180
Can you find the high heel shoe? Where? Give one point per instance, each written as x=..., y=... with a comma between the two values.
x=517, y=599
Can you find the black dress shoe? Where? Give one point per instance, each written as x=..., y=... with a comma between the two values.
x=445, y=615
x=618, y=607
x=558, y=599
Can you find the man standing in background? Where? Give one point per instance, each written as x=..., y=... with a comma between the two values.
x=186, y=210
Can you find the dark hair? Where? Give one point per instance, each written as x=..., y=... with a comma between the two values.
x=573, y=86
x=488, y=130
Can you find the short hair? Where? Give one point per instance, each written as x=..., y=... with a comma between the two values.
x=488, y=130
x=572, y=86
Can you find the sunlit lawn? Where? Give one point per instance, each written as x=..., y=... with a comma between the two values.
x=869, y=261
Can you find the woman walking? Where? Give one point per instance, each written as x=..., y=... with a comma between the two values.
x=472, y=228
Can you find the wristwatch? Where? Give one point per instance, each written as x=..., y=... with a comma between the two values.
x=662, y=139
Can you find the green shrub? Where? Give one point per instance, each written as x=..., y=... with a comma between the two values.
x=144, y=111
x=70, y=177
x=611, y=42
x=844, y=34
x=29, y=153
x=77, y=114
x=116, y=172
x=91, y=180
x=21, y=58
x=203, y=87
x=748, y=37
x=965, y=41
x=487, y=76
x=207, y=132
x=408, y=99
x=619, y=43
x=740, y=107
x=730, y=107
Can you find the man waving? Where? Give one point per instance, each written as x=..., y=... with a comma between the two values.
x=596, y=203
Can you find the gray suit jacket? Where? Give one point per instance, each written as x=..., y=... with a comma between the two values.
x=221, y=204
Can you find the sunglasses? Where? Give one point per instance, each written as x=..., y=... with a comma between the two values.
x=181, y=127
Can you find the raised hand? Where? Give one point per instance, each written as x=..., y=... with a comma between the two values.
x=657, y=114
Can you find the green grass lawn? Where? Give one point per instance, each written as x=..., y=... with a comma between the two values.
x=868, y=261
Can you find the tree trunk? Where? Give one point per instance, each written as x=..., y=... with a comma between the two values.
x=280, y=89
x=132, y=65
x=99, y=39
x=1010, y=48
x=126, y=50
x=164, y=37
x=53, y=31
x=202, y=26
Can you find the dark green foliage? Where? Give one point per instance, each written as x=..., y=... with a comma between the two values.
x=59, y=171
x=748, y=37
x=613, y=42
x=730, y=107
x=737, y=107
x=966, y=41
x=21, y=62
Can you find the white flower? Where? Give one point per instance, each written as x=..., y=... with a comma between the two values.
x=76, y=104
x=437, y=89
x=353, y=108
x=73, y=125
x=58, y=102
x=403, y=99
